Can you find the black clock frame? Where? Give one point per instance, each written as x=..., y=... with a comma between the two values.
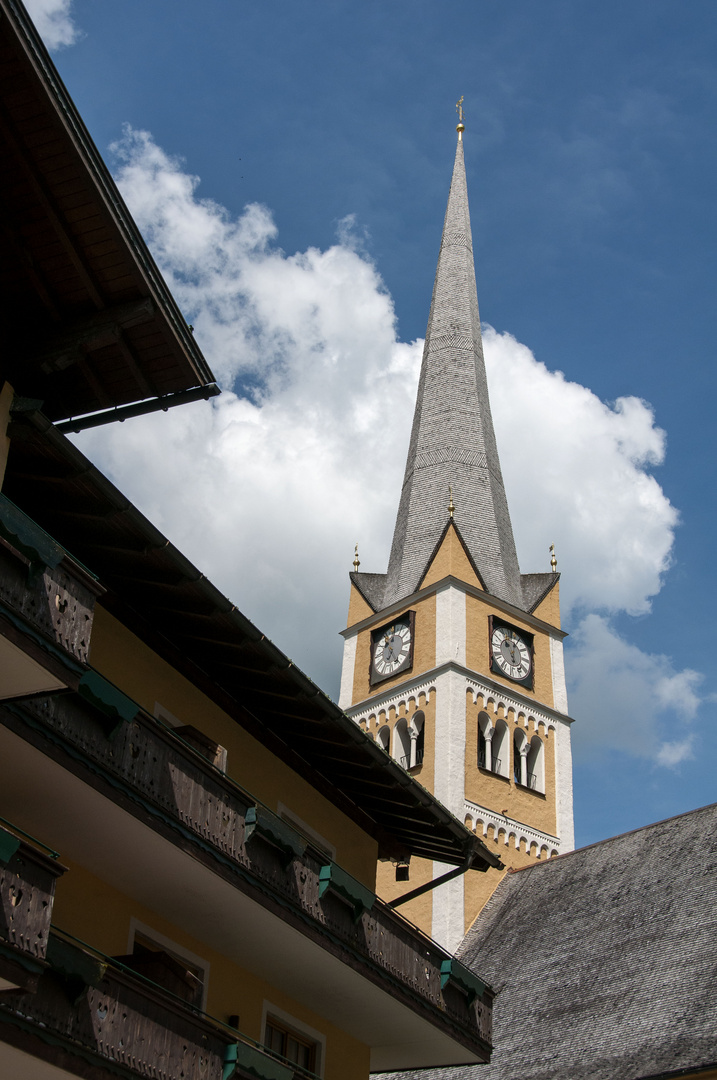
x=376, y=677
x=496, y=623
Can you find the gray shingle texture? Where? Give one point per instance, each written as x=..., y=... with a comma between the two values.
x=452, y=440
x=604, y=960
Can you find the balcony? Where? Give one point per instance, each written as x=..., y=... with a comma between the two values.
x=89, y=1011
x=46, y=608
x=405, y=1007
x=27, y=891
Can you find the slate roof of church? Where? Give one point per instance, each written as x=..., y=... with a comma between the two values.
x=604, y=960
x=452, y=440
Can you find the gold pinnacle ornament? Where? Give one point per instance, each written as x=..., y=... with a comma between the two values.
x=553, y=560
x=460, y=128
x=356, y=559
x=451, y=507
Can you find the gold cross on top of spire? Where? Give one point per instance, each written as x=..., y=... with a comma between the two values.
x=460, y=128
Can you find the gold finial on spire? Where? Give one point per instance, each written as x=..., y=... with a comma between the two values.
x=451, y=507
x=553, y=560
x=460, y=128
x=356, y=559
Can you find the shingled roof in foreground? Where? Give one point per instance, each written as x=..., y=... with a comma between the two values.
x=603, y=960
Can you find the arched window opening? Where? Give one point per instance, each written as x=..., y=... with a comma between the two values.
x=520, y=768
x=383, y=736
x=402, y=744
x=536, y=765
x=418, y=738
x=500, y=748
x=485, y=742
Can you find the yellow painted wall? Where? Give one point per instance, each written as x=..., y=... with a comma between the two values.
x=424, y=650
x=6, y=395
x=549, y=609
x=132, y=666
x=359, y=608
x=419, y=911
x=451, y=559
x=478, y=649
x=100, y=915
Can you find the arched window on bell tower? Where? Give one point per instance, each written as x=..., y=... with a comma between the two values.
x=417, y=732
x=485, y=742
x=536, y=764
x=501, y=749
x=520, y=766
x=402, y=744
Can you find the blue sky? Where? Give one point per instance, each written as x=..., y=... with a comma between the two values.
x=591, y=169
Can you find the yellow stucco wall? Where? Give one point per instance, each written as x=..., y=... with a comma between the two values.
x=419, y=911
x=100, y=915
x=132, y=666
x=549, y=609
x=478, y=649
x=424, y=650
x=451, y=559
x=359, y=608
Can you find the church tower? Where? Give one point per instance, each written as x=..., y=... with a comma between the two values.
x=453, y=659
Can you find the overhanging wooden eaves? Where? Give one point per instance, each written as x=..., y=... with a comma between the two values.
x=88, y=323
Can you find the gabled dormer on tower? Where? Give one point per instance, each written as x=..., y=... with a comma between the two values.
x=453, y=659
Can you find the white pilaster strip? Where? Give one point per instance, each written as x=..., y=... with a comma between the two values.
x=557, y=667
x=448, y=924
x=564, y=786
x=450, y=626
x=348, y=668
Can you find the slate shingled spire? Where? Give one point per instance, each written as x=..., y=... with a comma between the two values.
x=452, y=440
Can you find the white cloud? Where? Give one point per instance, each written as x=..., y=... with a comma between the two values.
x=576, y=475
x=629, y=701
x=53, y=21
x=268, y=488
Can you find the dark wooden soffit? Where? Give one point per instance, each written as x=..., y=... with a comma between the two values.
x=88, y=323
x=159, y=594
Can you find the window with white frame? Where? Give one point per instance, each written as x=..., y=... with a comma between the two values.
x=293, y=1040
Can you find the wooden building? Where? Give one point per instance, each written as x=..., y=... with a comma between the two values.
x=190, y=827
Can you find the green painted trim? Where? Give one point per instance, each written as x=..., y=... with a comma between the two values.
x=254, y=1063
x=8, y=845
x=454, y=971
x=261, y=822
x=111, y=702
x=333, y=879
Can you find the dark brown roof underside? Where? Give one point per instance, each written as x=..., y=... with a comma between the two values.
x=162, y=597
x=87, y=322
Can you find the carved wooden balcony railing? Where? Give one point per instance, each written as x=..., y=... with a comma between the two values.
x=47, y=599
x=90, y=1011
x=27, y=891
x=174, y=788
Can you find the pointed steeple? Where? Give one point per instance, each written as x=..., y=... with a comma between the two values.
x=452, y=440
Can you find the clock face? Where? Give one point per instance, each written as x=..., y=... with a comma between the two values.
x=392, y=648
x=511, y=654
